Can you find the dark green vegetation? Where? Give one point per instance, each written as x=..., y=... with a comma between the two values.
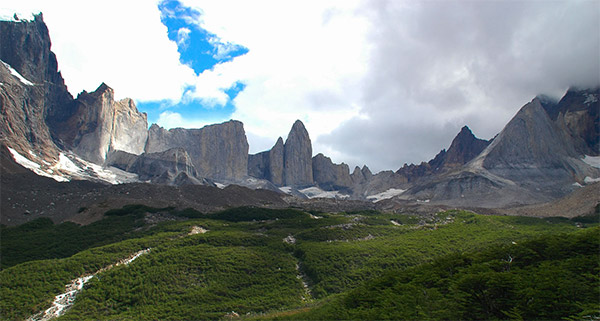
x=549, y=278
x=358, y=266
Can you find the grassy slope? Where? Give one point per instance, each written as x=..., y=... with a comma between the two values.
x=243, y=265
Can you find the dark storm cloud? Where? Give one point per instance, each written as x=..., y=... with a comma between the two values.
x=438, y=65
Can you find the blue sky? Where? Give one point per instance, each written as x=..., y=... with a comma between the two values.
x=201, y=50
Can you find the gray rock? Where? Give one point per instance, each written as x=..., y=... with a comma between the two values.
x=329, y=176
x=297, y=157
x=577, y=114
x=268, y=164
x=217, y=151
x=171, y=167
x=100, y=124
x=276, y=164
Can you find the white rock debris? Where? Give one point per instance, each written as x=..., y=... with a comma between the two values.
x=197, y=230
x=64, y=301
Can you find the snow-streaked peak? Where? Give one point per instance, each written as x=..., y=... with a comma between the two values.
x=17, y=74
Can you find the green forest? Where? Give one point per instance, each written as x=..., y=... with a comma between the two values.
x=266, y=264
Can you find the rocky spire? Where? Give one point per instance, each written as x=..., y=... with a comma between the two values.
x=465, y=146
x=297, y=157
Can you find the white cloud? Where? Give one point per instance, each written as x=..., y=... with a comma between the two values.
x=183, y=36
x=169, y=119
x=121, y=43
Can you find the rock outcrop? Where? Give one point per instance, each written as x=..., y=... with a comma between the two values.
x=465, y=146
x=360, y=176
x=288, y=164
x=99, y=124
x=297, y=157
x=577, y=114
x=171, y=167
x=268, y=164
x=217, y=151
x=329, y=176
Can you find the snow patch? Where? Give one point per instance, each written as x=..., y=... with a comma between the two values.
x=423, y=201
x=593, y=161
x=69, y=166
x=17, y=74
x=286, y=189
x=221, y=186
x=395, y=223
x=64, y=163
x=385, y=195
x=576, y=184
x=79, y=168
x=589, y=180
x=590, y=99
x=9, y=15
x=33, y=166
x=315, y=192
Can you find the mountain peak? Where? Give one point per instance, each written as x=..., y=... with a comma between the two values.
x=297, y=157
x=298, y=126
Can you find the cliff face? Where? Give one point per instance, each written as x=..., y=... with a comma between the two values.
x=577, y=114
x=330, y=176
x=217, y=151
x=297, y=157
x=31, y=87
x=99, y=124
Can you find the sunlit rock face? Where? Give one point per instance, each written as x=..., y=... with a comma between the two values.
x=217, y=151
x=100, y=124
